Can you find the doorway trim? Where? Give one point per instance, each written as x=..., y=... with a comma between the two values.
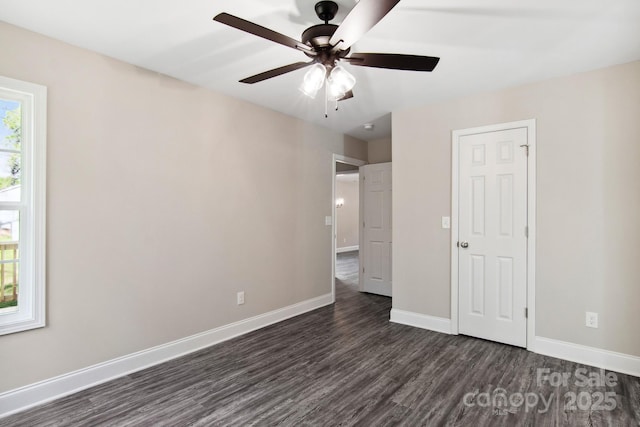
x=530, y=125
x=338, y=158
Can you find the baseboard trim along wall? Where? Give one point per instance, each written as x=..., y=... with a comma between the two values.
x=347, y=249
x=599, y=358
x=437, y=324
x=44, y=391
x=609, y=360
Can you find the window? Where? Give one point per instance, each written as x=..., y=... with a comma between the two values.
x=22, y=205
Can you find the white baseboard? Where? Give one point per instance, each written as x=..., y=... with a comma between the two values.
x=599, y=358
x=437, y=324
x=609, y=360
x=347, y=249
x=44, y=391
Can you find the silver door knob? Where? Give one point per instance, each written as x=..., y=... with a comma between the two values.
x=464, y=245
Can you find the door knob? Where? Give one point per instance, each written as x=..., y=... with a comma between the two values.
x=464, y=245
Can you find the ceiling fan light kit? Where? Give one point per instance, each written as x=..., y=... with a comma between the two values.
x=328, y=44
x=313, y=80
x=340, y=82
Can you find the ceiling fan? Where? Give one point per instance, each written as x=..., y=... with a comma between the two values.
x=328, y=45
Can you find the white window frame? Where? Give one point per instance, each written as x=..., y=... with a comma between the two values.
x=30, y=313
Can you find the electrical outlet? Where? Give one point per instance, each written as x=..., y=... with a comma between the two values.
x=591, y=320
x=240, y=298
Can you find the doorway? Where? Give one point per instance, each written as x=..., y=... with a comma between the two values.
x=493, y=232
x=346, y=231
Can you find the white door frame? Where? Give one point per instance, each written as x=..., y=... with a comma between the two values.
x=530, y=125
x=338, y=158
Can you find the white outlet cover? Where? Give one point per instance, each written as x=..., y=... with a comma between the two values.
x=328, y=220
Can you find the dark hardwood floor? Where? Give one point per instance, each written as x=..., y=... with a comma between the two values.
x=348, y=365
x=347, y=270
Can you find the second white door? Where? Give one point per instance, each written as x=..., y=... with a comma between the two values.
x=376, y=253
x=492, y=230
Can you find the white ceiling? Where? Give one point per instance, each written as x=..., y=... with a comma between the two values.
x=484, y=45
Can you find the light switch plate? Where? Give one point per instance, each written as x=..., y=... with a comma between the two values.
x=328, y=220
x=446, y=222
x=591, y=320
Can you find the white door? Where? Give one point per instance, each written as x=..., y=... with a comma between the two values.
x=492, y=247
x=376, y=253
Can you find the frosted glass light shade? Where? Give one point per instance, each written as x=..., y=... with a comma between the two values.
x=313, y=80
x=334, y=91
x=340, y=81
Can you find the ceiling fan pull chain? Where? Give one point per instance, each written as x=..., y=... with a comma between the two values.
x=336, y=104
x=326, y=101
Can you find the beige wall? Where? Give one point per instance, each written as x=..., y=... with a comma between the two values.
x=379, y=150
x=162, y=204
x=588, y=202
x=347, y=218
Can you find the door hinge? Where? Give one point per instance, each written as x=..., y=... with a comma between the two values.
x=526, y=146
x=363, y=269
x=526, y=231
x=526, y=313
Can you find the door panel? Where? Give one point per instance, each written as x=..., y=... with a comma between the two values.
x=477, y=205
x=505, y=288
x=376, y=250
x=377, y=228
x=477, y=284
x=505, y=200
x=375, y=213
x=492, y=219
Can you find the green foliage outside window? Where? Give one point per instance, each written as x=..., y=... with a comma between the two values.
x=12, y=121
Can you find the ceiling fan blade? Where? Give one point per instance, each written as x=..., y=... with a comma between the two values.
x=363, y=17
x=275, y=72
x=260, y=31
x=394, y=61
x=346, y=96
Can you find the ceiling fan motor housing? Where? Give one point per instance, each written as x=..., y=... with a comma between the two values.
x=318, y=38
